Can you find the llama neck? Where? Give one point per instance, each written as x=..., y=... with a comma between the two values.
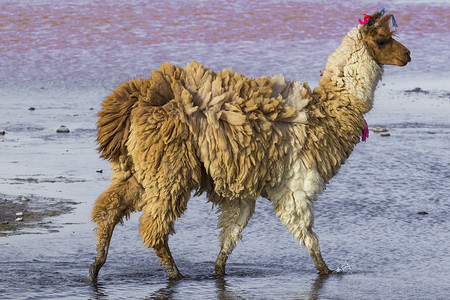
x=351, y=70
x=335, y=112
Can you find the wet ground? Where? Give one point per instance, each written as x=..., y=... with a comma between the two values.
x=384, y=220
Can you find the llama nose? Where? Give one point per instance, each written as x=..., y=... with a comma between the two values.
x=408, y=54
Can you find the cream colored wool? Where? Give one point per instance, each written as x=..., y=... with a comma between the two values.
x=235, y=138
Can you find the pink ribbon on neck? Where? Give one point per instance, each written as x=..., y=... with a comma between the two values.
x=365, y=132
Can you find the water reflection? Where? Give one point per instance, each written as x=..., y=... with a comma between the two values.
x=313, y=294
x=99, y=291
x=223, y=290
x=166, y=292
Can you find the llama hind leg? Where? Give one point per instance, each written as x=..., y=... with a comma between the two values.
x=234, y=218
x=104, y=233
x=167, y=261
x=155, y=233
x=157, y=222
x=110, y=208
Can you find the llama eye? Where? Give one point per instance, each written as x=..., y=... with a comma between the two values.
x=380, y=42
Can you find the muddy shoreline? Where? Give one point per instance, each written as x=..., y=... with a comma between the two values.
x=31, y=214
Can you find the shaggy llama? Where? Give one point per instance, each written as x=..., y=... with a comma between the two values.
x=236, y=139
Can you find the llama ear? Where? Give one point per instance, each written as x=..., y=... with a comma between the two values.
x=375, y=18
x=369, y=21
x=384, y=21
x=379, y=22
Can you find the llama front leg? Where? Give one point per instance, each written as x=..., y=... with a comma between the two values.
x=234, y=218
x=312, y=244
x=296, y=212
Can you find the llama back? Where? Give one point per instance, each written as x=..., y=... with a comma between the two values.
x=236, y=129
x=243, y=127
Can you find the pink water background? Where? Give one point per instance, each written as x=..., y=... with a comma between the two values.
x=43, y=42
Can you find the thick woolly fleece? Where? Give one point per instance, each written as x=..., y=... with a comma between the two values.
x=234, y=137
x=335, y=122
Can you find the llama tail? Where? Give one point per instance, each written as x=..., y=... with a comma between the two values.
x=114, y=120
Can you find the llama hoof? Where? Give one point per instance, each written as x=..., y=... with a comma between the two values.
x=219, y=270
x=90, y=280
x=327, y=272
x=93, y=274
x=178, y=276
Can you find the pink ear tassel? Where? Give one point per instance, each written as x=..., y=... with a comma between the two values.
x=366, y=17
x=365, y=132
x=361, y=22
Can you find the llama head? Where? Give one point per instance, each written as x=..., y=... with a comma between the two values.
x=377, y=35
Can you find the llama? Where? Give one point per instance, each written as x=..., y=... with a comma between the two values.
x=235, y=138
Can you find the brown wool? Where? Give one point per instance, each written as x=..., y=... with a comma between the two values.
x=235, y=138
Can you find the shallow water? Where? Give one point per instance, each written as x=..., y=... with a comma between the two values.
x=63, y=58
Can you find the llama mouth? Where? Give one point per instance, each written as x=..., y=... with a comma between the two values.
x=402, y=62
x=408, y=58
